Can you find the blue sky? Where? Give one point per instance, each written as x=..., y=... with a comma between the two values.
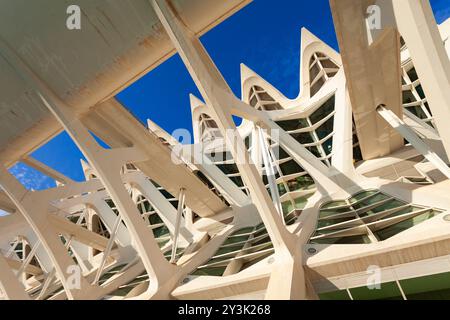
x=265, y=35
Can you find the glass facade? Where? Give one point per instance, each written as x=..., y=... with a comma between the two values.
x=368, y=216
x=321, y=69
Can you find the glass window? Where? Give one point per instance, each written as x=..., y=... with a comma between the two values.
x=290, y=167
x=279, y=153
x=303, y=137
x=290, y=125
x=314, y=71
x=412, y=74
x=323, y=111
x=404, y=225
x=387, y=290
x=272, y=107
x=210, y=271
x=253, y=101
x=281, y=189
x=155, y=219
x=264, y=96
x=417, y=111
x=408, y=97
x=325, y=129
x=328, y=146
x=228, y=168
x=287, y=206
x=315, y=151
x=316, y=87
x=237, y=181
x=327, y=63
x=428, y=108
x=420, y=92
x=301, y=182
x=359, y=239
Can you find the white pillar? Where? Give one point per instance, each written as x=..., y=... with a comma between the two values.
x=270, y=174
x=34, y=207
x=416, y=23
x=223, y=103
x=414, y=139
x=177, y=225
x=9, y=284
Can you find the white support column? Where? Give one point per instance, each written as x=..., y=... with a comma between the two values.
x=177, y=225
x=322, y=175
x=162, y=206
x=28, y=259
x=218, y=96
x=107, y=249
x=107, y=163
x=256, y=148
x=416, y=24
x=214, y=89
x=414, y=139
x=270, y=174
x=227, y=188
x=9, y=284
x=34, y=207
x=108, y=217
x=41, y=253
x=342, y=158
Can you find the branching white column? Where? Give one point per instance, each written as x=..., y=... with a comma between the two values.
x=9, y=284
x=214, y=89
x=162, y=206
x=416, y=23
x=223, y=103
x=270, y=173
x=34, y=207
x=414, y=139
x=342, y=158
x=181, y=197
x=107, y=163
x=226, y=187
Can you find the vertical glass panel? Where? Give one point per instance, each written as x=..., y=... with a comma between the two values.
x=420, y=92
x=290, y=167
x=412, y=74
x=323, y=111
x=325, y=129
x=408, y=97
x=303, y=137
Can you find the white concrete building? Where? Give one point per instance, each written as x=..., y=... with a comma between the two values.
x=340, y=193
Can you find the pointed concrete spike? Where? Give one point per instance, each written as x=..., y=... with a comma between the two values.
x=84, y=165
x=246, y=72
x=195, y=102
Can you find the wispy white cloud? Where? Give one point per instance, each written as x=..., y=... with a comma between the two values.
x=31, y=178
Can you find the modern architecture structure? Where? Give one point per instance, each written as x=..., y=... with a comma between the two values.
x=340, y=193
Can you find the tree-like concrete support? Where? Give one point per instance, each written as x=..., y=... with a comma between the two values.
x=34, y=207
x=9, y=283
x=414, y=139
x=416, y=23
x=163, y=207
x=107, y=163
x=213, y=89
x=223, y=104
